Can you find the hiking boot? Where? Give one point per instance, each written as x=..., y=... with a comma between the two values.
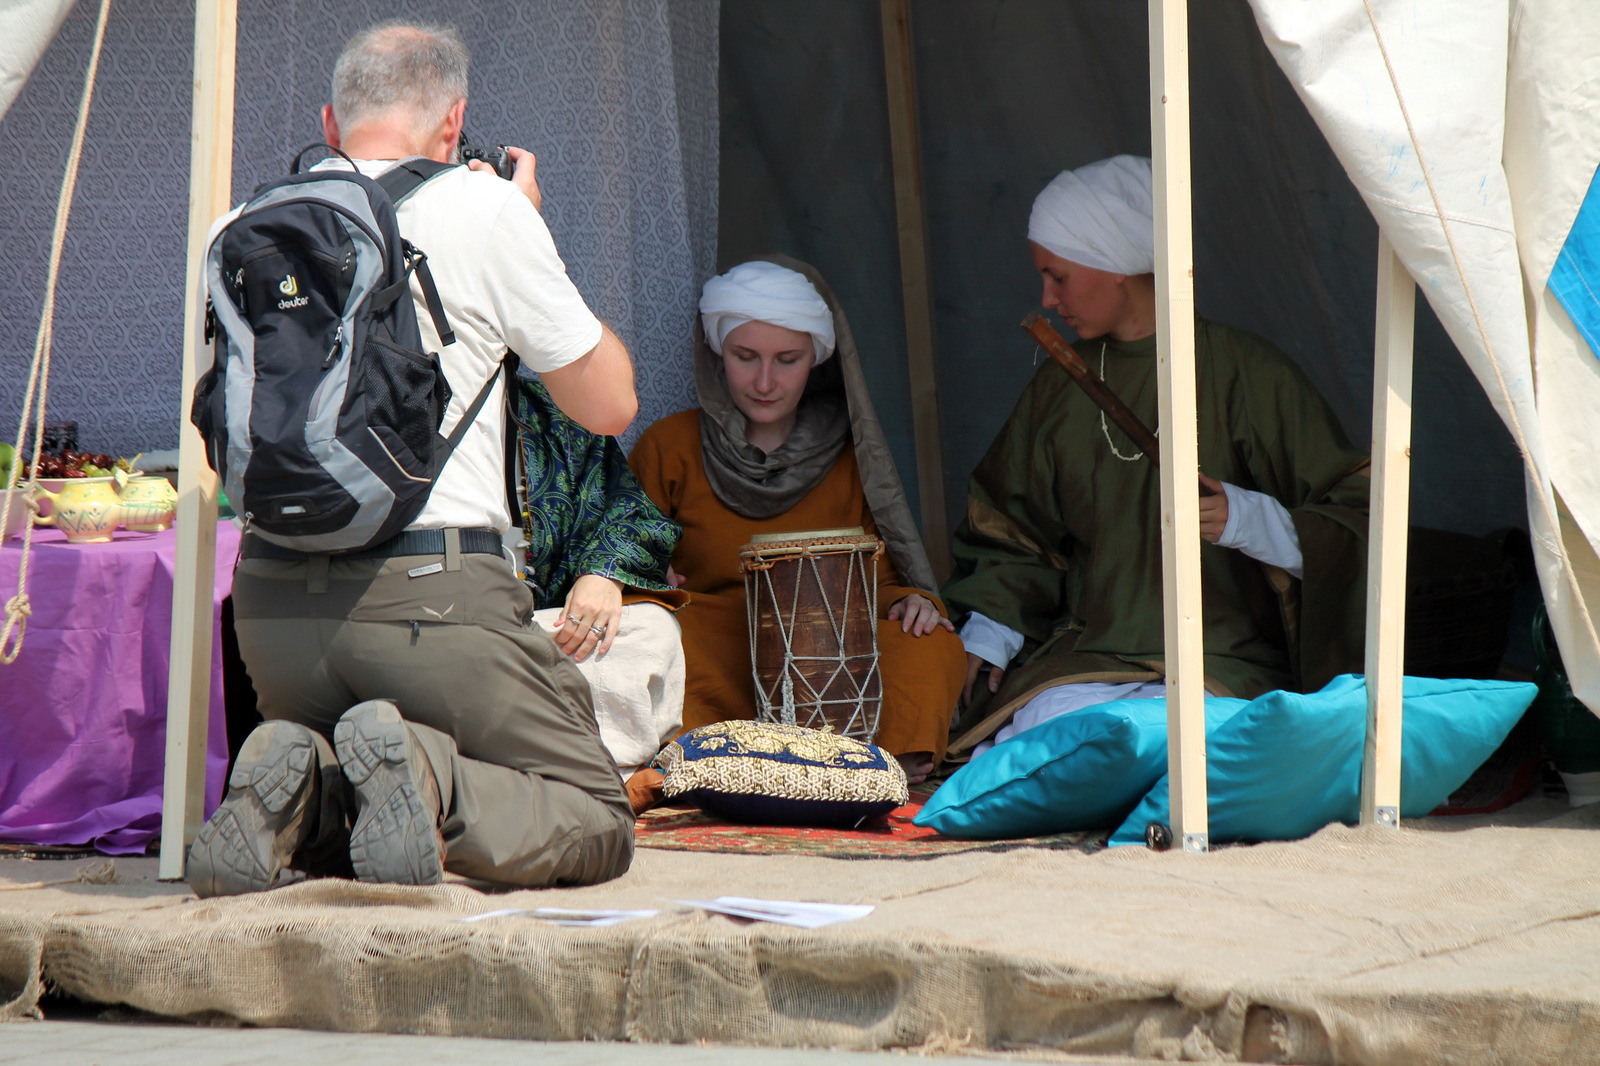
x=252, y=838
x=396, y=837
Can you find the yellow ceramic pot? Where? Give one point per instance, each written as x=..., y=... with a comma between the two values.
x=86, y=509
x=148, y=504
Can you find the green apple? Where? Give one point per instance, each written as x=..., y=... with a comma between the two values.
x=7, y=454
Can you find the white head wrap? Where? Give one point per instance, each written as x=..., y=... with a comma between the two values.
x=1099, y=215
x=759, y=291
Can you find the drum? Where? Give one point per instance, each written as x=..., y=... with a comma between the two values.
x=812, y=602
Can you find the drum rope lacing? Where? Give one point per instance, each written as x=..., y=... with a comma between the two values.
x=758, y=566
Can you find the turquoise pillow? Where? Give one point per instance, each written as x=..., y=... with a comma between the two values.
x=1289, y=764
x=1083, y=770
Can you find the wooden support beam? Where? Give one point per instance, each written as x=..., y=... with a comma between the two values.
x=905, y=142
x=1386, y=556
x=189, y=678
x=1180, y=448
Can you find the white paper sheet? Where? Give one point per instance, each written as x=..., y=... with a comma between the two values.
x=587, y=919
x=782, y=911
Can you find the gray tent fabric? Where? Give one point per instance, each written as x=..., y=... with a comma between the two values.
x=1012, y=92
x=617, y=98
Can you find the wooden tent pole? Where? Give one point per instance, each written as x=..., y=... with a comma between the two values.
x=1386, y=558
x=905, y=142
x=1180, y=449
x=189, y=679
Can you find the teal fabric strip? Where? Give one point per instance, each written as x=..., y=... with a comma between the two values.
x=1575, y=278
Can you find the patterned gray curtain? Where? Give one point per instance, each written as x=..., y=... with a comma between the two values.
x=617, y=97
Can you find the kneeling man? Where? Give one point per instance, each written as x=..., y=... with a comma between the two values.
x=462, y=738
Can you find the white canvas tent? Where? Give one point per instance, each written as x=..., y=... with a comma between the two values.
x=1464, y=128
x=1468, y=129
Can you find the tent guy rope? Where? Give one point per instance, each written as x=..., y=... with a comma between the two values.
x=1546, y=493
x=18, y=607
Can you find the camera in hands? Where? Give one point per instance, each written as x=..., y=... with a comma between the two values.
x=498, y=157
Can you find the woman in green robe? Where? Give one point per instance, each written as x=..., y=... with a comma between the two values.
x=1058, y=563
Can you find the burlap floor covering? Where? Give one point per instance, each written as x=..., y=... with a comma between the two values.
x=1455, y=941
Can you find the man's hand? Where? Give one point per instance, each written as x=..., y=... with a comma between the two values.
x=588, y=621
x=974, y=664
x=675, y=579
x=1213, y=510
x=920, y=616
x=523, y=177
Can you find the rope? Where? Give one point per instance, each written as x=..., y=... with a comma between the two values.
x=19, y=608
x=1545, y=499
x=99, y=873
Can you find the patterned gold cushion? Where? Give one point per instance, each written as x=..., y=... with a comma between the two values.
x=769, y=774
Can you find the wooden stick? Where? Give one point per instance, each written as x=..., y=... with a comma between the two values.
x=1180, y=509
x=905, y=144
x=189, y=675
x=1096, y=388
x=1386, y=565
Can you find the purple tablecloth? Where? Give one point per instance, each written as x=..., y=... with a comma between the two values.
x=83, y=710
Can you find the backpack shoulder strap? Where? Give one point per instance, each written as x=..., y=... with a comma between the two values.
x=507, y=369
x=400, y=182
x=406, y=177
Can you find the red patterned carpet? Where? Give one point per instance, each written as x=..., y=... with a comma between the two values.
x=687, y=829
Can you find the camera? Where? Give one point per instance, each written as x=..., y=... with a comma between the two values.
x=496, y=157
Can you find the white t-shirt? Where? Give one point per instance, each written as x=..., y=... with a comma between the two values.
x=503, y=285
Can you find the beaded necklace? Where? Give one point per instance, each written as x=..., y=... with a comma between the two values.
x=1105, y=431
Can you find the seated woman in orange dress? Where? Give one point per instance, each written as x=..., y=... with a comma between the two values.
x=786, y=439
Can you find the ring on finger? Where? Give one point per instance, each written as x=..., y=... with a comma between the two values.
x=598, y=631
x=574, y=620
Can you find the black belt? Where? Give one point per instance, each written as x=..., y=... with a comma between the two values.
x=411, y=542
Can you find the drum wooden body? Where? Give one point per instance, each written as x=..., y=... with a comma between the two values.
x=812, y=603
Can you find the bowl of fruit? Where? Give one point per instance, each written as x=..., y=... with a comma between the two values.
x=56, y=470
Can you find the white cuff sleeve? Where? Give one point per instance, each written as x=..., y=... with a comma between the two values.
x=990, y=641
x=1260, y=526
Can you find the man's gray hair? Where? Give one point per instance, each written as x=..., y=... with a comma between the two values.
x=415, y=67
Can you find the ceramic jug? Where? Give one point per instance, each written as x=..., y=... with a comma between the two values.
x=86, y=509
x=148, y=504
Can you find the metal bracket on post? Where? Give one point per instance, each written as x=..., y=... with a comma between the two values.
x=1388, y=817
x=1197, y=843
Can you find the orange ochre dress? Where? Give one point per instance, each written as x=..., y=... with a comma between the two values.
x=922, y=676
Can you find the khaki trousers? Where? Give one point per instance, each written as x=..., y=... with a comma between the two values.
x=530, y=795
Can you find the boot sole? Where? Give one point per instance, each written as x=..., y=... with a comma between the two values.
x=395, y=838
x=246, y=843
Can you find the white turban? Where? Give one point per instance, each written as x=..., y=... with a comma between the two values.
x=1099, y=215
x=765, y=292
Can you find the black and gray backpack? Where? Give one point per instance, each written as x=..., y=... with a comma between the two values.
x=321, y=412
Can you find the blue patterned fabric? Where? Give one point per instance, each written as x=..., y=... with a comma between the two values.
x=583, y=512
x=1575, y=278
x=771, y=774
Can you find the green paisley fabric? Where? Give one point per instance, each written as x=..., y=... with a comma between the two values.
x=583, y=511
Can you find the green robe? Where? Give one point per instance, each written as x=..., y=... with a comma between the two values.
x=1062, y=539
